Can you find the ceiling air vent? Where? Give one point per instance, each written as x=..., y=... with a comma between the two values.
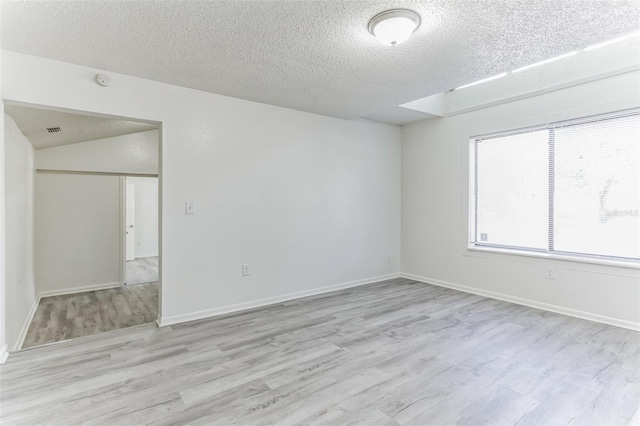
x=53, y=129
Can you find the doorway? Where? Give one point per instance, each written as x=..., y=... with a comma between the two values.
x=140, y=203
x=72, y=165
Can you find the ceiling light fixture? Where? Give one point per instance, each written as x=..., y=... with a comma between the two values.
x=394, y=26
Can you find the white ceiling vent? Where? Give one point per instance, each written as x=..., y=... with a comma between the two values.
x=53, y=129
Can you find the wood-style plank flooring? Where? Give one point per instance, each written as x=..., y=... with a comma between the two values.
x=68, y=316
x=142, y=270
x=396, y=352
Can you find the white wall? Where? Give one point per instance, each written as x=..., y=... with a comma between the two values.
x=310, y=201
x=78, y=215
x=134, y=153
x=77, y=231
x=435, y=181
x=146, y=215
x=20, y=289
x=4, y=351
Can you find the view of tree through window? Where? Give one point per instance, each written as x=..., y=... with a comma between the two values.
x=571, y=187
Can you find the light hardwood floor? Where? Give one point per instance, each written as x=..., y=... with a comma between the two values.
x=397, y=352
x=142, y=270
x=68, y=316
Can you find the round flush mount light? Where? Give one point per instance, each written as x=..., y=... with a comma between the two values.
x=394, y=26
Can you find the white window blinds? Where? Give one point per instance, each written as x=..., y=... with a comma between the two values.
x=570, y=187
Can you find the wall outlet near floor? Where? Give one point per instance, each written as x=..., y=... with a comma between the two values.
x=246, y=269
x=389, y=258
x=549, y=273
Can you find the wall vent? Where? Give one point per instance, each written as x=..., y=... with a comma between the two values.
x=53, y=129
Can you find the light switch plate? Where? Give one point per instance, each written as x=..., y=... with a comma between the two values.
x=246, y=269
x=189, y=208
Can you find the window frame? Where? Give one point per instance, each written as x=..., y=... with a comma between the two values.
x=473, y=245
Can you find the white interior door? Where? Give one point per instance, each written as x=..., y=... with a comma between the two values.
x=130, y=218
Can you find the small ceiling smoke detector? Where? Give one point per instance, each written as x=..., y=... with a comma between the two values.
x=103, y=80
x=394, y=26
x=53, y=129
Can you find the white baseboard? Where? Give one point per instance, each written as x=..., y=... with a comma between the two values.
x=138, y=256
x=208, y=313
x=27, y=323
x=4, y=354
x=528, y=302
x=71, y=290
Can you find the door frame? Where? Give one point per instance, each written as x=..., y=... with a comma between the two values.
x=123, y=223
x=130, y=220
x=123, y=231
x=4, y=351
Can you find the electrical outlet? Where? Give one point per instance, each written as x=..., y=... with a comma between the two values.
x=549, y=273
x=389, y=258
x=246, y=269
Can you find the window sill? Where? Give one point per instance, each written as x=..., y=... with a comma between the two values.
x=563, y=257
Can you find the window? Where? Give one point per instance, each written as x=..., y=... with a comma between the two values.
x=569, y=188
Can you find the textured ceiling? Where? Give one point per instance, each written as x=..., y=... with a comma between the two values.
x=74, y=127
x=313, y=56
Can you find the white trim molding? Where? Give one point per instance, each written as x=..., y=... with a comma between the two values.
x=139, y=256
x=528, y=302
x=27, y=323
x=4, y=354
x=82, y=289
x=222, y=310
